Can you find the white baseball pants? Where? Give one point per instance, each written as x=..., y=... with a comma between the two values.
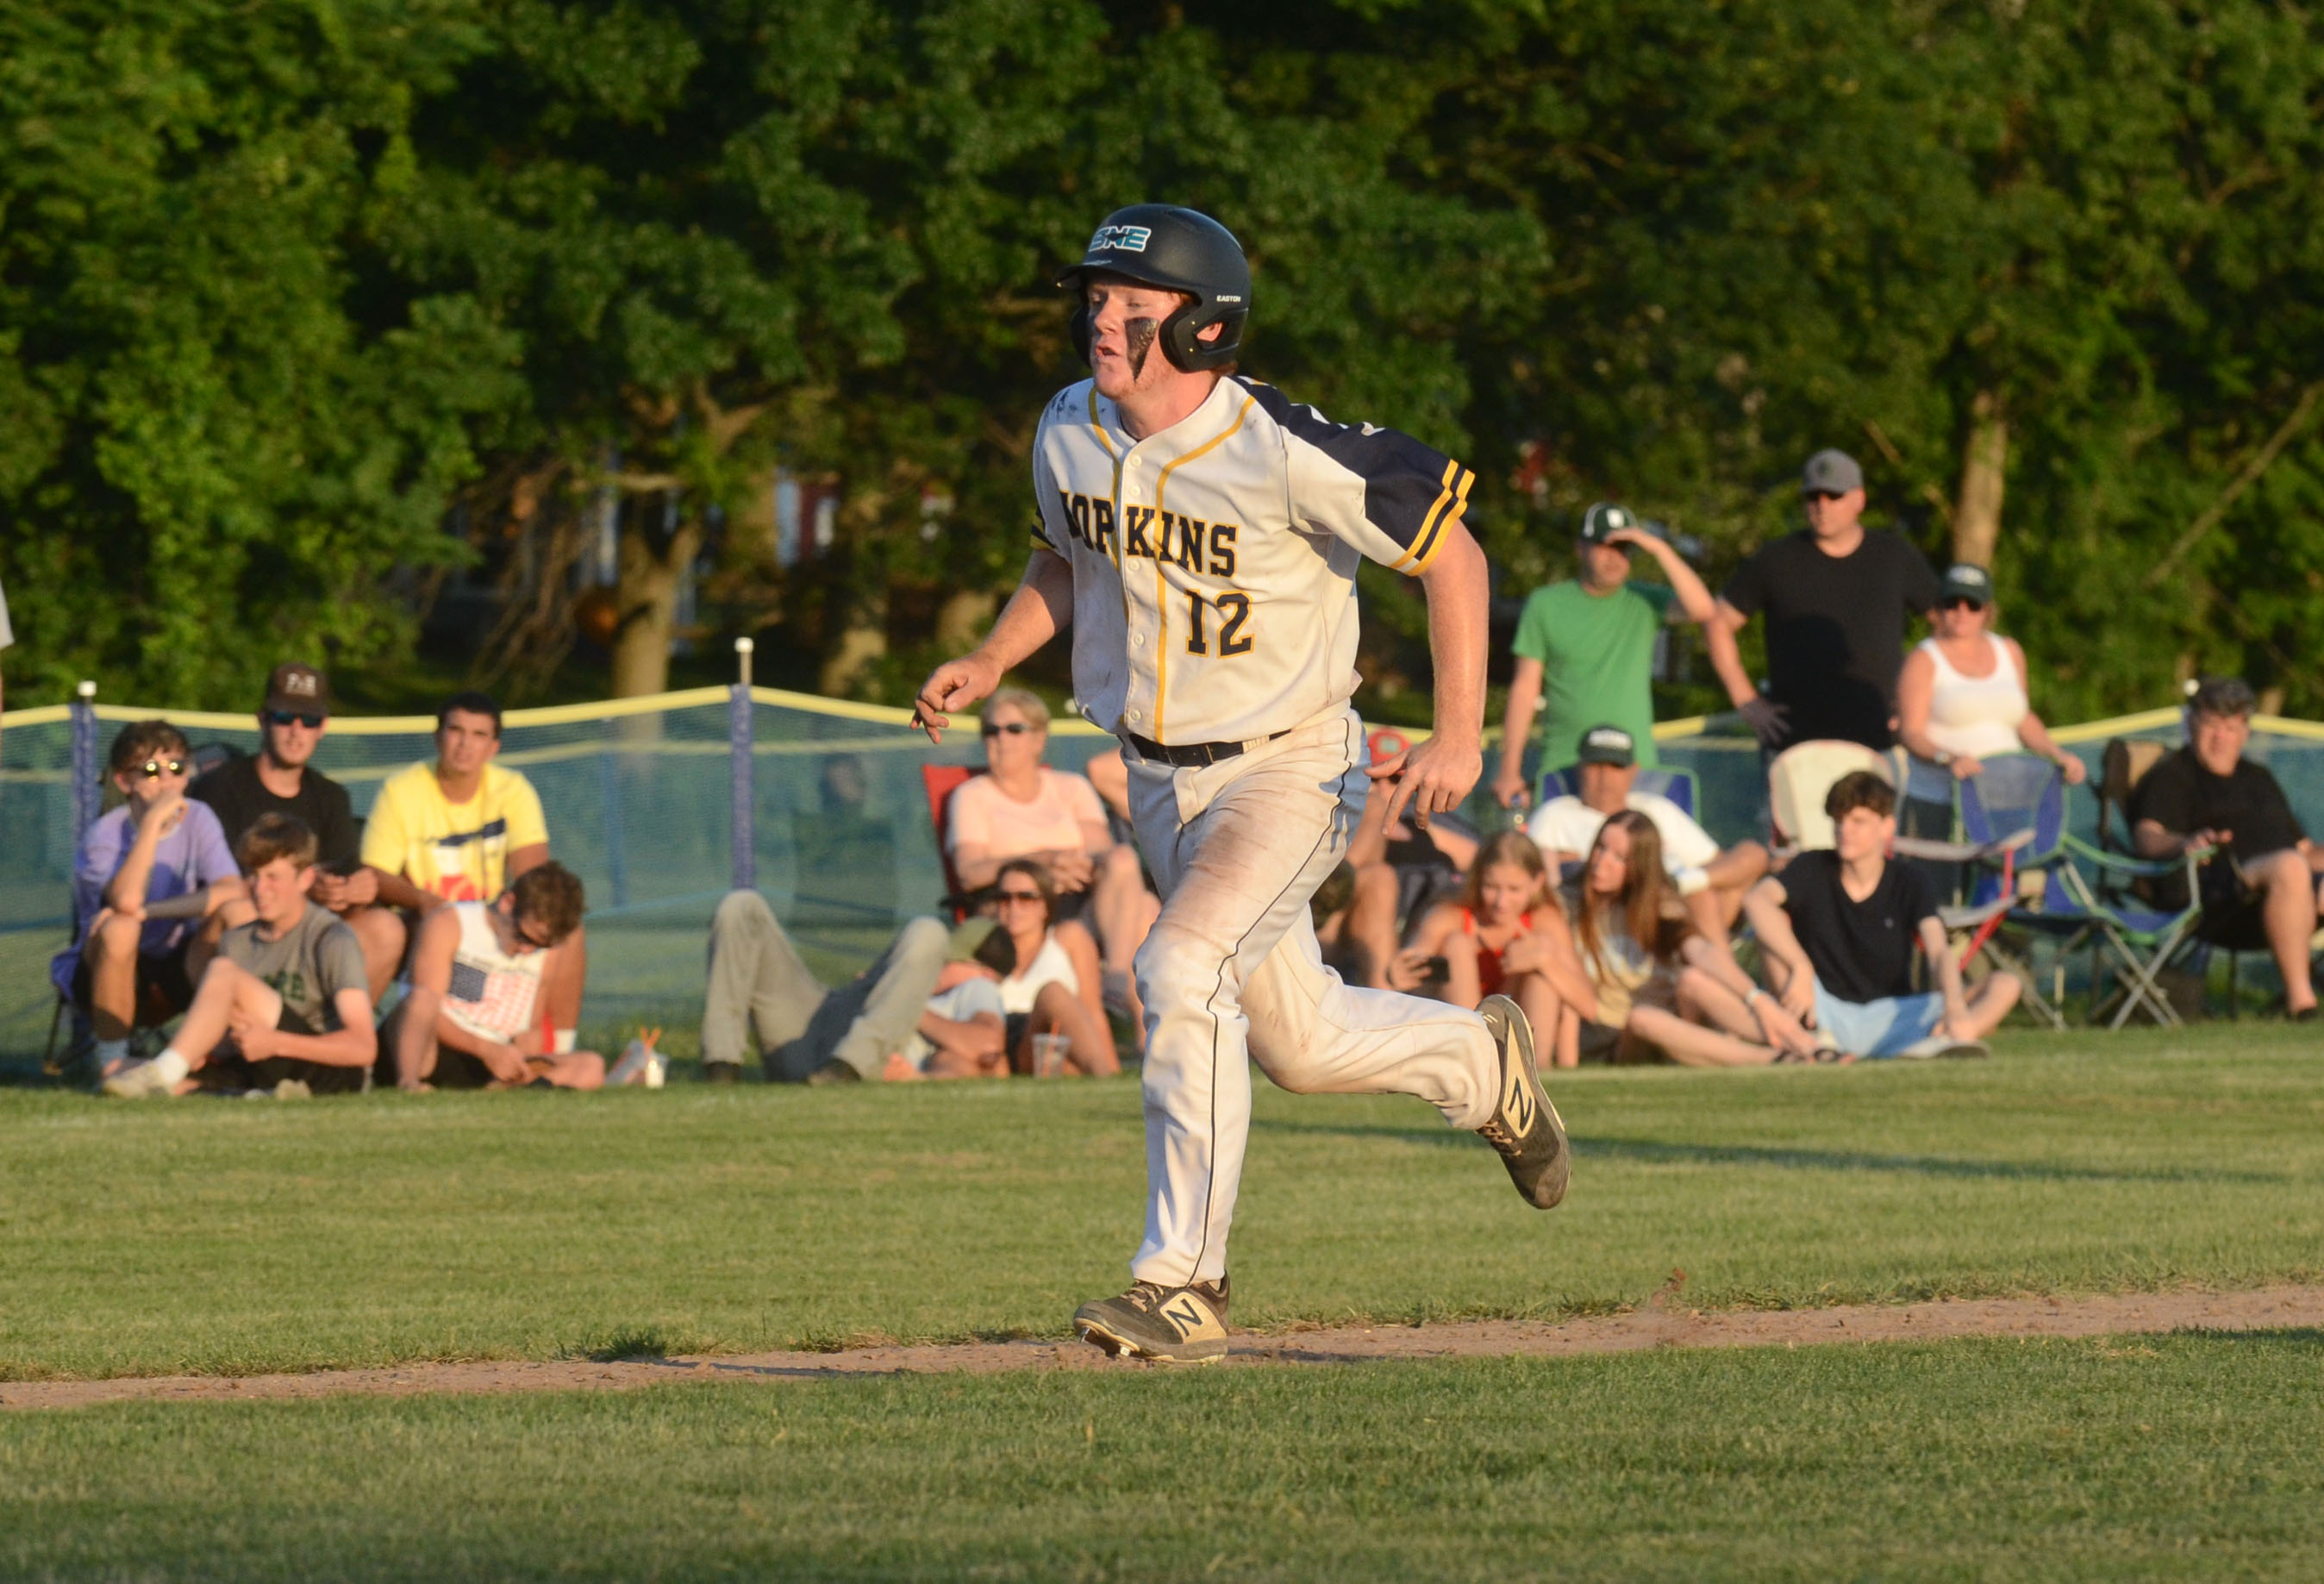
x=1231, y=973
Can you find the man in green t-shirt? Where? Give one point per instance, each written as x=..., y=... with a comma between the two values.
x=1585, y=649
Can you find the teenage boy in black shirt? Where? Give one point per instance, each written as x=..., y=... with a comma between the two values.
x=2207, y=795
x=279, y=780
x=1836, y=598
x=1837, y=929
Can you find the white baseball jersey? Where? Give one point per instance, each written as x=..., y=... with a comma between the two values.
x=1215, y=563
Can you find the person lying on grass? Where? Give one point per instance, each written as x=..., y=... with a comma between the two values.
x=1660, y=986
x=469, y=1020
x=1838, y=929
x=285, y=1001
x=964, y=1031
x=1053, y=989
x=1505, y=936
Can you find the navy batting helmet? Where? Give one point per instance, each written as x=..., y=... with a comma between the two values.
x=1180, y=250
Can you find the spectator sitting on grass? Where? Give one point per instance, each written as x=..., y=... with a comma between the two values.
x=1838, y=927
x=472, y=1016
x=1022, y=809
x=1505, y=936
x=1401, y=874
x=465, y=829
x=1961, y=700
x=2263, y=875
x=1659, y=985
x=284, y=1003
x=806, y=1033
x=155, y=885
x=1711, y=882
x=1053, y=989
x=964, y=1031
x=280, y=779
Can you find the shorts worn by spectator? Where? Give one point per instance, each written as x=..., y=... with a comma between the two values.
x=808, y=1033
x=2261, y=884
x=1711, y=881
x=284, y=1005
x=1022, y=809
x=280, y=779
x=481, y=1009
x=155, y=885
x=1836, y=598
x=1585, y=647
x=1839, y=927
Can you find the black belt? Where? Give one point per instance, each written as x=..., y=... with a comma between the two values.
x=1186, y=753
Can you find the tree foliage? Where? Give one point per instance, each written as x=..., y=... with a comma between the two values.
x=292, y=297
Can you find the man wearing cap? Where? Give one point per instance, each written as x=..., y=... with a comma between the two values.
x=2261, y=880
x=809, y=1033
x=1836, y=598
x=1712, y=882
x=278, y=779
x=1585, y=647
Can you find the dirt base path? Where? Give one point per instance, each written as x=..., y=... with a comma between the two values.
x=1659, y=1326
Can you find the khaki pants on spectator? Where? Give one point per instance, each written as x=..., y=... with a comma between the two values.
x=755, y=972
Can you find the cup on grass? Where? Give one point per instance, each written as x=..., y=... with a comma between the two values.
x=1049, y=1053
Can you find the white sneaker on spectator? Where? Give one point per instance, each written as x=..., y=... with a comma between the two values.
x=1942, y=1045
x=144, y=1079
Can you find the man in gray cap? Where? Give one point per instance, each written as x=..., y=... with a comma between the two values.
x=1585, y=648
x=1836, y=598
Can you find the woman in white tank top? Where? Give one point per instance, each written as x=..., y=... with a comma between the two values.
x=1961, y=697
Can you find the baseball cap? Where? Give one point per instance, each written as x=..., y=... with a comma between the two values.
x=1833, y=471
x=1608, y=744
x=297, y=690
x=1602, y=518
x=1964, y=582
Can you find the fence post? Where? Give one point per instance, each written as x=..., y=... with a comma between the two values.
x=743, y=816
x=84, y=761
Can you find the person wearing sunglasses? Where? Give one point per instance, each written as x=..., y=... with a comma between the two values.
x=1836, y=597
x=281, y=779
x=1020, y=808
x=1052, y=989
x=155, y=885
x=1961, y=700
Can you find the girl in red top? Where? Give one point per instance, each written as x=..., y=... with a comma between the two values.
x=1505, y=935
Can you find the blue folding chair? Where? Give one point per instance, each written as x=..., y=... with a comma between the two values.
x=1677, y=785
x=2015, y=811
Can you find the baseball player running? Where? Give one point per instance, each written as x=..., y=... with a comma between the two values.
x=1200, y=532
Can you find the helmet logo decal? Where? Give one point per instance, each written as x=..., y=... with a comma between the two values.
x=1120, y=239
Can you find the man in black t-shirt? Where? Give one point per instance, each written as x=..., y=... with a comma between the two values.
x=1836, y=598
x=2264, y=872
x=279, y=780
x=1838, y=929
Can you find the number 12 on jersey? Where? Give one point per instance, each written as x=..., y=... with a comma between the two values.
x=1234, y=610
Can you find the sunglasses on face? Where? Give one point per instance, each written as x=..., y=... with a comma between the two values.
x=1822, y=494
x=154, y=769
x=1958, y=603
x=1006, y=898
x=1015, y=728
x=284, y=717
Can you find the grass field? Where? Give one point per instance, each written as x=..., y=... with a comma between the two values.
x=225, y=1236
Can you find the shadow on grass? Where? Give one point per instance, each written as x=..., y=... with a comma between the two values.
x=1657, y=1153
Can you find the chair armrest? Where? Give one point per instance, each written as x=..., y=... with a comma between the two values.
x=1969, y=918
x=1959, y=852
x=2151, y=868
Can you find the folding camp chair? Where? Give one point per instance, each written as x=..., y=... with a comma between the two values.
x=941, y=781
x=2015, y=811
x=1678, y=785
x=1801, y=777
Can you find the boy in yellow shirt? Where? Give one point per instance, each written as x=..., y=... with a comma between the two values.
x=462, y=829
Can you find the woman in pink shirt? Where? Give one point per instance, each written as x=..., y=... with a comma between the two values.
x=1022, y=809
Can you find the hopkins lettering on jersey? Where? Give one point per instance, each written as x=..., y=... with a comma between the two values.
x=1215, y=563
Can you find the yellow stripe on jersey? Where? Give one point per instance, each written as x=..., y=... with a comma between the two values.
x=1161, y=589
x=1447, y=511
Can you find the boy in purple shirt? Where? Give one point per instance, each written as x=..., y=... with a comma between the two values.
x=153, y=887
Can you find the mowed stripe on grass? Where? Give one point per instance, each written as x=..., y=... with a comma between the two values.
x=2176, y=1458
x=230, y=1238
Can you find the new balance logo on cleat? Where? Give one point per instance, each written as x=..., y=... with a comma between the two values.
x=1526, y=1128
x=1169, y=1325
